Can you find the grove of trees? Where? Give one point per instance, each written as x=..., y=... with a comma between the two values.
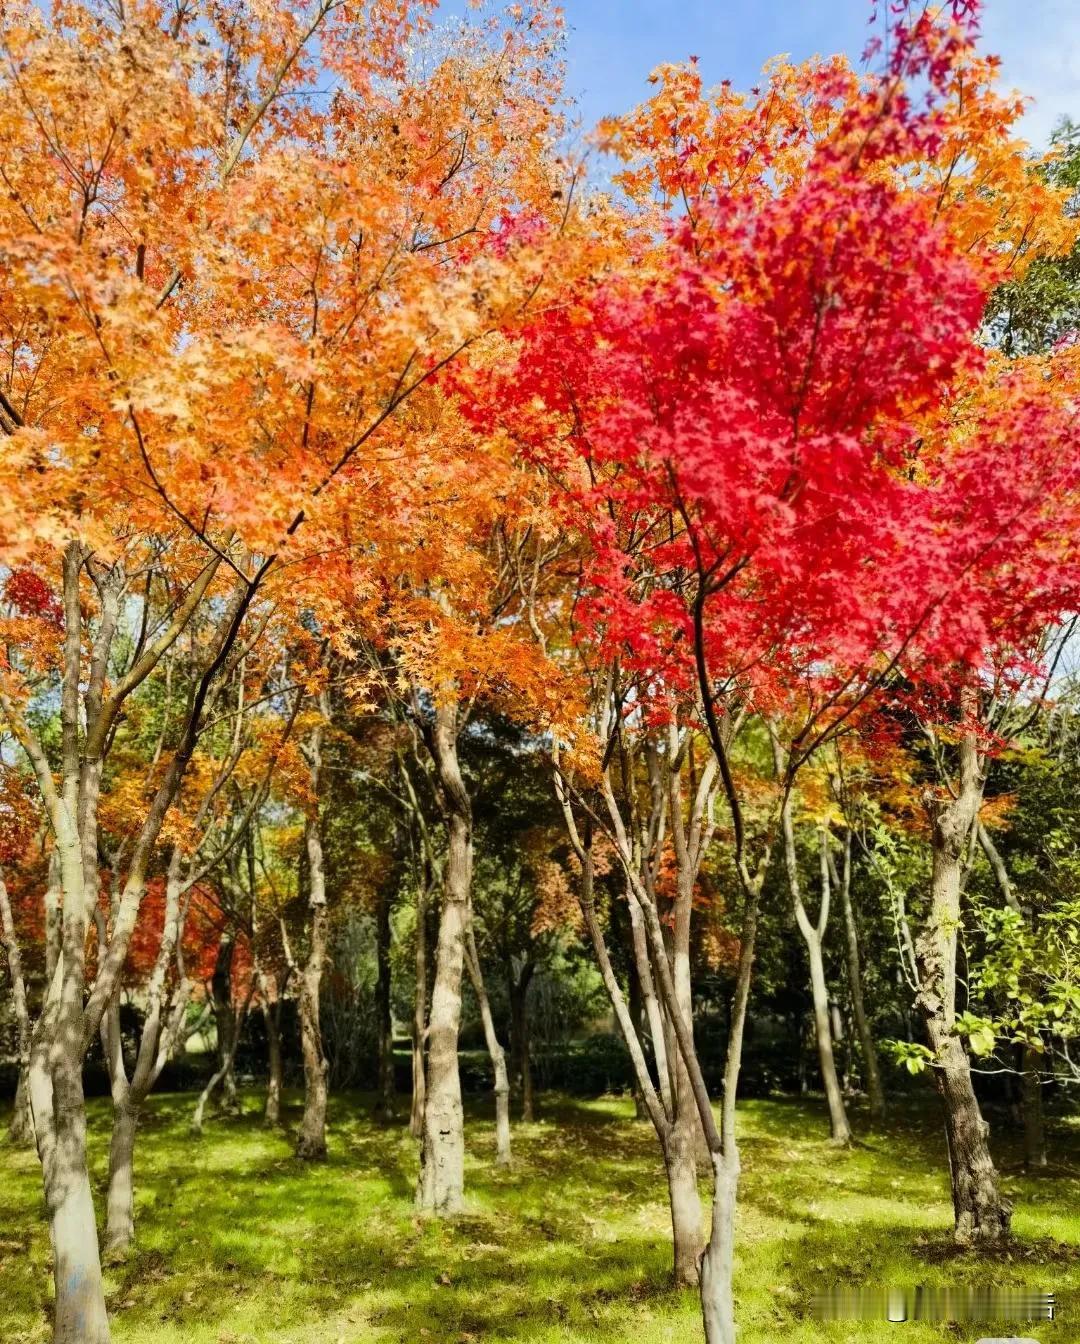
x=441, y=597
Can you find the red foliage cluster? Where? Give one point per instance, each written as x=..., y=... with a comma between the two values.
x=784, y=441
x=31, y=596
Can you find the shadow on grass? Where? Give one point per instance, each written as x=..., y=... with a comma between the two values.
x=240, y=1242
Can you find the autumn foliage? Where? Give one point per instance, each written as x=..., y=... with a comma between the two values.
x=330, y=388
x=780, y=429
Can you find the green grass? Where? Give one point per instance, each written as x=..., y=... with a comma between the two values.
x=239, y=1243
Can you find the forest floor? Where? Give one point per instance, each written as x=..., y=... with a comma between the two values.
x=239, y=1243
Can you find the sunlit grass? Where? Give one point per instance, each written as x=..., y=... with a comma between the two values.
x=239, y=1243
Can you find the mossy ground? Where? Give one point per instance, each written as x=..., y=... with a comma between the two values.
x=239, y=1243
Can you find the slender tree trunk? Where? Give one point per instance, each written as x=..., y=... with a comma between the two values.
x=272, y=1111
x=225, y=1067
x=494, y=1049
x=840, y=1039
x=311, y=1141
x=160, y=1032
x=812, y=935
x=221, y=988
x=622, y=933
x=441, y=1187
x=120, y=1202
x=230, y=1095
x=674, y=1131
x=70, y=1016
x=21, y=1128
x=980, y=1213
x=419, y=1024
x=528, y=1099
x=227, y=1028
x=874, y=1090
x=718, y=1261
x=834, y=1096
x=687, y=1143
x=1034, y=1129
x=517, y=988
x=654, y=1016
x=120, y=1217
x=675, y=1145
x=513, y=998
x=636, y=1009
x=383, y=1016
x=212, y=1085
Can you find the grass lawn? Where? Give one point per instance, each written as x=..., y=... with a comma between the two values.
x=239, y=1243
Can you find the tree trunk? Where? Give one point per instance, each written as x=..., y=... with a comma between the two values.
x=813, y=934
x=834, y=1096
x=653, y=1013
x=160, y=1032
x=384, y=1023
x=517, y=986
x=980, y=1213
x=225, y=1067
x=680, y=1164
x=120, y=1203
x=688, y=1145
x=311, y=1141
x=513, y=998
x=874, y=1090
x=229, y=1022
x=60, y=1129
x=70, y=1016
x=441, y=1188
x=636, y=1009
x=272, y=1111
x=528, y=1101
x=21, y=1128
x=208, y=1091
x=79, y=1314
x=221, y=988
x=718, y=1261
x=676, y=1142
x=419, y=1025
x=230, y=1094
x=120, y=1219
x=495, y=1050
x=1034, y=1129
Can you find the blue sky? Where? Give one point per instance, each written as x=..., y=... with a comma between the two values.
x=613, y=44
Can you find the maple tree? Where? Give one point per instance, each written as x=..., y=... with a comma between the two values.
x=689, y=483
x=215, y=294
x=447, y=642
x=792, y=454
